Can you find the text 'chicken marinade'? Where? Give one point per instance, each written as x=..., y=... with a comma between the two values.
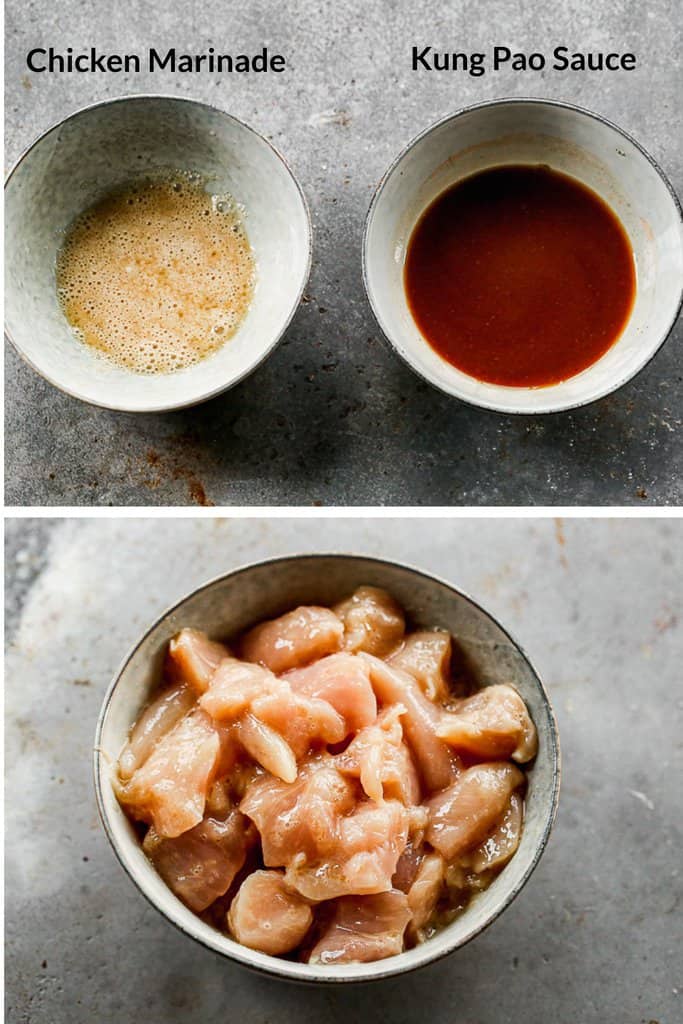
x=325, y=789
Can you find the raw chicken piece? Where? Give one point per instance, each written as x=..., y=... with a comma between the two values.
x=379, y=758
x=267, y=916
x=464, y=814
x=200, y=865
x=363, y=929
x=170, y=788
x=500, y=845
x=378, y=829
x=343, y=680
x=193, y=658
x=268, y=748
x=294, y=639
x=493, y=723
x=300, y=817
x=233, y=688
x=373, y=621
x=362, y=858
x=424, y=893
x=329, y=845
x=302, y=721
x=427, y=658
x=437, y=765
x=401, y=780
x=154, y=722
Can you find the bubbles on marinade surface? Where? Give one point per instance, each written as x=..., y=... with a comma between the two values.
x=157, y=275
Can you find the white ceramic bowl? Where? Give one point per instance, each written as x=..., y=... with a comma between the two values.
x=569, y=139
x=104, y=146
x=229, y=604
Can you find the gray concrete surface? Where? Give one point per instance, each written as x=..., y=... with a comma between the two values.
x=333, y=417
x=595, y=937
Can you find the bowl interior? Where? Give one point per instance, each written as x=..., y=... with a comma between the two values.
x=227, y=606
x=568, y=140
x=104, y=147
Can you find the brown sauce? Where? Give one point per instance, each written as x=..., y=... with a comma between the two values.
x=520, y=276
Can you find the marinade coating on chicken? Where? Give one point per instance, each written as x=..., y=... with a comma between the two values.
x=424, y=892
x=219, y=799
x=330, y=842
x=200, y=865
x=297, y=638
x=420, y=721
x=363, y=929
x=379, y=758
x=267, y=748
x=373, y=621
x=266, y=915
x=233, y=687
x=156, y=720
x=240, y=689
x=426, y=656
x=169, y=790
x=304, y=722
x=409, y=862
x=322, y=792
x=343, y=680
x=299, y=817
x=360, y=857
x=193, y=658
x=461, y=816
x=493, y=723
x=502, y=841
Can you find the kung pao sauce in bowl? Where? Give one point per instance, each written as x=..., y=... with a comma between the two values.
x=525, y=256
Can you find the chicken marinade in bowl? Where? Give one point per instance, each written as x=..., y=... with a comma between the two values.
x=328, y=767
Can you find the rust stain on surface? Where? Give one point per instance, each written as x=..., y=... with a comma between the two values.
x=561, y=540
x=155, y=467
x=197, y=492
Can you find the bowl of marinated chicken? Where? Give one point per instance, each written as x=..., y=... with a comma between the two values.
x=329, y=768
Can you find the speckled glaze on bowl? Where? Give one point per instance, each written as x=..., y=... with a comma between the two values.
x=226, y=606
x=107, y=145
x=569, y=139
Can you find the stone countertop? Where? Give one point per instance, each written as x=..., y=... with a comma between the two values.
x=595, y=937
x=333, y=417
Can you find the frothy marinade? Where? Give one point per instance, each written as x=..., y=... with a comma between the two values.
x=520, y=276
x=158, y=275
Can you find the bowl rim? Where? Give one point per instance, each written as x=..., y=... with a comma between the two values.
x=277, y=967
x=491, y=406
x=220, y=389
